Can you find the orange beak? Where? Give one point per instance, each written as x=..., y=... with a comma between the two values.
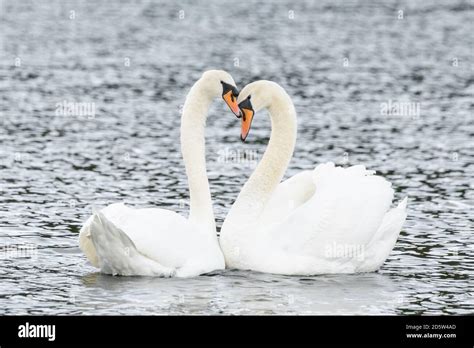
x=231, y=102
x=247, y=117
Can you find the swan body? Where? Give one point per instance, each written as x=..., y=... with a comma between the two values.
x=121, y=240
x=150, y=242
x=327, y=220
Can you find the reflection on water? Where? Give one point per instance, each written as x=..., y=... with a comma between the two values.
x=238, y=292
x=341, y=62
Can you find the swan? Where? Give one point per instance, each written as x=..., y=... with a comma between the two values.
x=327, y=220
x=121, y=240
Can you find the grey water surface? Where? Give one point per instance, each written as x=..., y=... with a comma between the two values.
x=134, y=61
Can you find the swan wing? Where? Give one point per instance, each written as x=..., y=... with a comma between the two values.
x=287, y=197
x=345, y=211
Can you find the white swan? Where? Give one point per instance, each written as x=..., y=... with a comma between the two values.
x=326, y=220
x=156, y=242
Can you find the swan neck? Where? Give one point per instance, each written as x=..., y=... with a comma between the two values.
x=271, y=169
x=193, y=123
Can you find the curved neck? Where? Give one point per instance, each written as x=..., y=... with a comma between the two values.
x=257, y=190
x=193, y=123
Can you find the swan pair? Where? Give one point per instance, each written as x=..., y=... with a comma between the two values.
x=327, y=220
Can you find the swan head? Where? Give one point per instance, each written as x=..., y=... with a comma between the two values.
x=252, y=98
x=219, y=82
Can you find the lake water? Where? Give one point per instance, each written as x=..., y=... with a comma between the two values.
x=341, y=62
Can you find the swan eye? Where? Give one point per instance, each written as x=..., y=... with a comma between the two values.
x=246, y=104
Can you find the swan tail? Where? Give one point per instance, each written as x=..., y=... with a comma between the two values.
x=86, y=244
x=117, y=254
x=385, y=238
